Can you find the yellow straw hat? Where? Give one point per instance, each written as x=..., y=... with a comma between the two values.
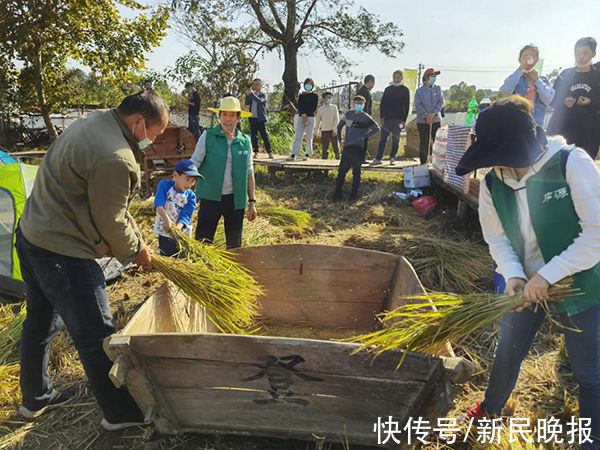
x=230, y=104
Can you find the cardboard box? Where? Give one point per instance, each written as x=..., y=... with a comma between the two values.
x=416, y=176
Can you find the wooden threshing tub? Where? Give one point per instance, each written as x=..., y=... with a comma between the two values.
x=189, y=378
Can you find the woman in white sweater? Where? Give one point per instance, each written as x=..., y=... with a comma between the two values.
x=539, y=209
x=327, y=120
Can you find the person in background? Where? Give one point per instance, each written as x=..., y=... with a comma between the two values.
x=193, y=110
x=175, y=203
x=76, y=213
x=224, y=160
x=577, y=101
x=393, y=111
x=233, y=91
x=526, y=82
x=257, y=102
x=359, y=126
x=148, y=85
x=304, y=122
x=484, y=104
x=539, y=208
x=327, y=121
x=429, y=101
x=365, y=91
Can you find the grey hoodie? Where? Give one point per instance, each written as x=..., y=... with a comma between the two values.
x=358, y=127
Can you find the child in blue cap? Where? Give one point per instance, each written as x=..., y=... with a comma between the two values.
x=175, y=202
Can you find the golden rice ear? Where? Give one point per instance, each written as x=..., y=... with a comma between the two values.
x=210, y=277
x=427, y=322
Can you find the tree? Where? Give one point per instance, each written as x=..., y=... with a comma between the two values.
x=480, y=94
x=459, y=96
x=327, y=26
x=46, y=34
x=222, y=55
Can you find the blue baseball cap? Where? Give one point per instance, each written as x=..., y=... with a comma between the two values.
x=186, y=166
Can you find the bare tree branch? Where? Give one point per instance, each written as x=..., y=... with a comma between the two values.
x=291, y=18
x=276, y=16
x=305, y=20
x=264, y=23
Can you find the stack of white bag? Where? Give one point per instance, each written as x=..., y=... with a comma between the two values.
x=438, y=159
x=458, y=140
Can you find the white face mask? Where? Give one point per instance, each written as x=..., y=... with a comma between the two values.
x=144, y=142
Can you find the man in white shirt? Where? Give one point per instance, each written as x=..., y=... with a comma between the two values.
x=327, y=120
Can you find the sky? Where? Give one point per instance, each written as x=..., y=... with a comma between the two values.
x=476, y=41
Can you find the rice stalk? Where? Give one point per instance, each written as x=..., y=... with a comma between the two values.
x=9, y=384
x=141, y=208
x=442, y=264
x=292, y=221
x=11, y=324
x=210, y=277
x=256, y=233
x=431, y=320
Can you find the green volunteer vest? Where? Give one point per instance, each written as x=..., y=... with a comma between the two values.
x=555, y=223
x=212, y=167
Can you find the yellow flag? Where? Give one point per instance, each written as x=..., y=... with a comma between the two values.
x=410, y=81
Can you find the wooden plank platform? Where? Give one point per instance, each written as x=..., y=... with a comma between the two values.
x=281, y=164
x=471, y=197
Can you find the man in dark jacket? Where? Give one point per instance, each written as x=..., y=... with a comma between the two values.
x=393, y=111
x=365, y=91
x=193, y=110
x=257, y=102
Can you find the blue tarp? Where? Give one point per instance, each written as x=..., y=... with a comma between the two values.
x=6, y=159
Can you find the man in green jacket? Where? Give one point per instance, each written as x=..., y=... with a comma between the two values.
x=77, y=212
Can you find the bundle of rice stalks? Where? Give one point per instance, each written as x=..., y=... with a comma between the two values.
x=445, y=265
x=141, y=208
x=442, y=264
x=11, y=323
x=293, y=222
x=210, y=277
x=439, y=318
x=9, y=384
x=256, y=233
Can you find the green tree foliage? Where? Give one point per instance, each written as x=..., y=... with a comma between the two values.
x=222, y=55
x=44, y=35
x=10, y=96
x=457, y=98
x=326, y=26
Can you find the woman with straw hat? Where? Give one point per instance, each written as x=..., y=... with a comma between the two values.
x=223, y=158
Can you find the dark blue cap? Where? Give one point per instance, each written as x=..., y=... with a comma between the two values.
x=186, y=166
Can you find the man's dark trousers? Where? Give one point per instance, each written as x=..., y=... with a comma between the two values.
x=352, y=158
x=259, y=126
x=426, y=139
x=62, y=289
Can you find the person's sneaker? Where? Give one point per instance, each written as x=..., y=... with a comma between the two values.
x=476, y=413
x=304, y=158
x=291, y=158
x=59, y=399
x=270, y=155
x=392, y=161
x=117, y=426
x=376, y=162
